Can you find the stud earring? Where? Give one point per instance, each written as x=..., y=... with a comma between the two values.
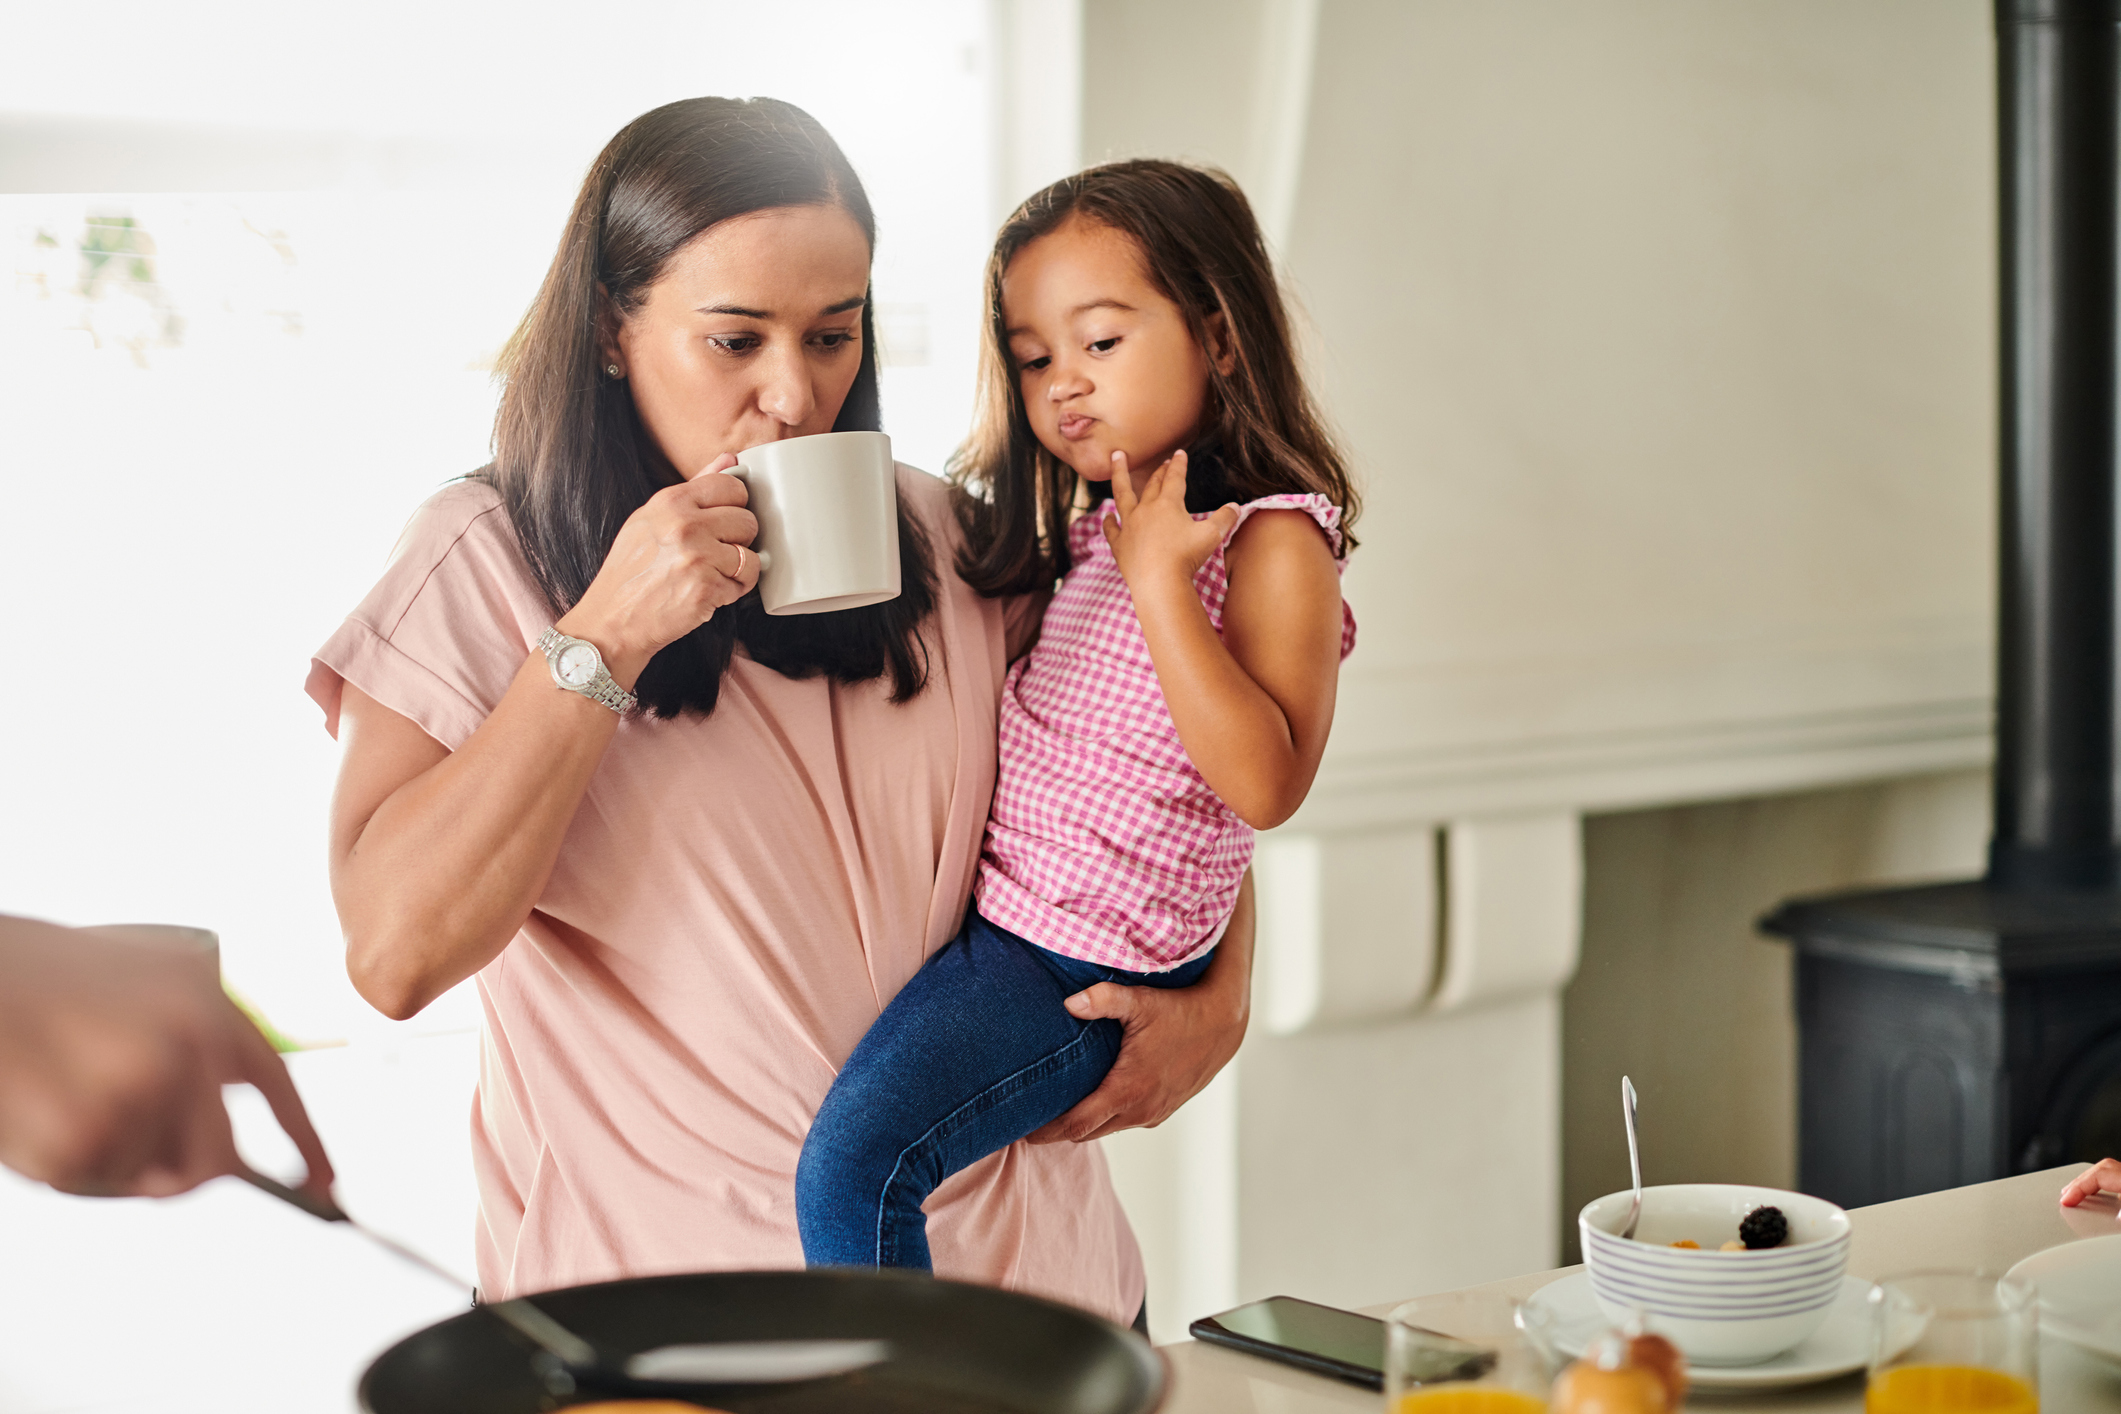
x=612, y=369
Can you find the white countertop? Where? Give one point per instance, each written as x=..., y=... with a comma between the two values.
x=1990, y=1226
x=224, y=1302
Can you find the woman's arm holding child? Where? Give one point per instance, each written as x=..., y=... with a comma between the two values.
x=1254, y=705
x=1176, y=1040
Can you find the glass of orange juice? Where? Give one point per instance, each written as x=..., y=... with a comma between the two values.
x=1954, y=1343
x=1470, y=1352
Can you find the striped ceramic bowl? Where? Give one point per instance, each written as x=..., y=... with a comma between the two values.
x=1720, y=1308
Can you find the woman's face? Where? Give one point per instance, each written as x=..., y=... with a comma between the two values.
x=753, y=333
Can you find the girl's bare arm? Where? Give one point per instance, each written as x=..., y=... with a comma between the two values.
x=1253, y=707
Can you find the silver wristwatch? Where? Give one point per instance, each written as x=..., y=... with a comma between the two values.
x=577, y=666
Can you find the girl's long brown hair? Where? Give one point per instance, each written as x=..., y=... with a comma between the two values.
x=1260, y=433
x=572, y=459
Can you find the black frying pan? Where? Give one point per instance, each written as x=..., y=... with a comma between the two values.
x=957, y=1349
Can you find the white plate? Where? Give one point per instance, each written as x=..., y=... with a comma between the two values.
x=1839, y=1346
x=2080, y=1292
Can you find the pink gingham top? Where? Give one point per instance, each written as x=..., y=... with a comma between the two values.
x=1104, y=843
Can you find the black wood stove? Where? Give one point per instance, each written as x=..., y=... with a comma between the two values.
x=1960, y=1032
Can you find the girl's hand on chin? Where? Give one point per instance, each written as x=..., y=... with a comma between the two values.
x=1156, y=533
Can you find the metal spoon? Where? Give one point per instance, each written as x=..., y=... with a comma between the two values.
x=566, y=1360
x=1627, y=1111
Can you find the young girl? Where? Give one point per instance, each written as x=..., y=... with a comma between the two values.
x=1146, y=441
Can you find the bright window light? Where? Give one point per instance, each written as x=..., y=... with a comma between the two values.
x=218, y=408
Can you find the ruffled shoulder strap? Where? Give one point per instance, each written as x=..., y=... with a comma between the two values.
x=1316, y=506
x=1311, y=503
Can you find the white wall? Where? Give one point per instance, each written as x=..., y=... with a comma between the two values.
x=1664, y=335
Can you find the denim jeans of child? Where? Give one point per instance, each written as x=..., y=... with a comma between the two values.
x=973, y=1054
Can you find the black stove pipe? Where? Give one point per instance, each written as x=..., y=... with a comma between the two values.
x=2058, y=800
x=1956, y=1032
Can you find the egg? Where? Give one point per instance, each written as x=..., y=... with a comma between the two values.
x=1584, y=1388
x=1662, y=1358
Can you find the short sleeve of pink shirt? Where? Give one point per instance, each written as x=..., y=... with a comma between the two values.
x=736, y=900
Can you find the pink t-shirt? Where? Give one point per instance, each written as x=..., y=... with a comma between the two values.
x=1105, y=843
x=736, y=900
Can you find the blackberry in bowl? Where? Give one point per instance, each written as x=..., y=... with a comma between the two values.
x=1765, y=1226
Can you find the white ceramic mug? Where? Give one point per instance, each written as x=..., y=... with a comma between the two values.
x=828, y=521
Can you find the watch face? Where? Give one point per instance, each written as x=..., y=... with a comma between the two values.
x=578, y=664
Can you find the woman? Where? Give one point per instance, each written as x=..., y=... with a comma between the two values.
x=683, y=918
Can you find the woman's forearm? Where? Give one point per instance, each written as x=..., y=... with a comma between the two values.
x=1175, y=1042
x=433, y=874
x=439, y=856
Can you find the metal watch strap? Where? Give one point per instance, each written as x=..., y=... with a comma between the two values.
x=602, y=689
x=605, y=690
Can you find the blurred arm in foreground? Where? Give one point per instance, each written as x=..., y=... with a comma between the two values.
x=112, y=1059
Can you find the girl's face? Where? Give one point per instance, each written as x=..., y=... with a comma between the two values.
x=1104, y=358
x=752, y=334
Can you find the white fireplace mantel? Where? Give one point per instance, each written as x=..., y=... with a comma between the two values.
x=1417, y=926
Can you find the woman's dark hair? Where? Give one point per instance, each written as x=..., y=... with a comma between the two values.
x=572, y=459
x=1260, y=434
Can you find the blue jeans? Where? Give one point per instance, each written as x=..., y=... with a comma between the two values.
x=973, y=1054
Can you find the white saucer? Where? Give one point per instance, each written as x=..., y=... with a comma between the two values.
x=1840, y=1345
x=2080, y=1293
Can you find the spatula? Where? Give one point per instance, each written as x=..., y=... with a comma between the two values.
x=567, y=1361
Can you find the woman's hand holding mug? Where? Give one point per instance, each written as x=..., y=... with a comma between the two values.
x=684, y=554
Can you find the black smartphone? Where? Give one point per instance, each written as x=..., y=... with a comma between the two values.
x=1329, y=1341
